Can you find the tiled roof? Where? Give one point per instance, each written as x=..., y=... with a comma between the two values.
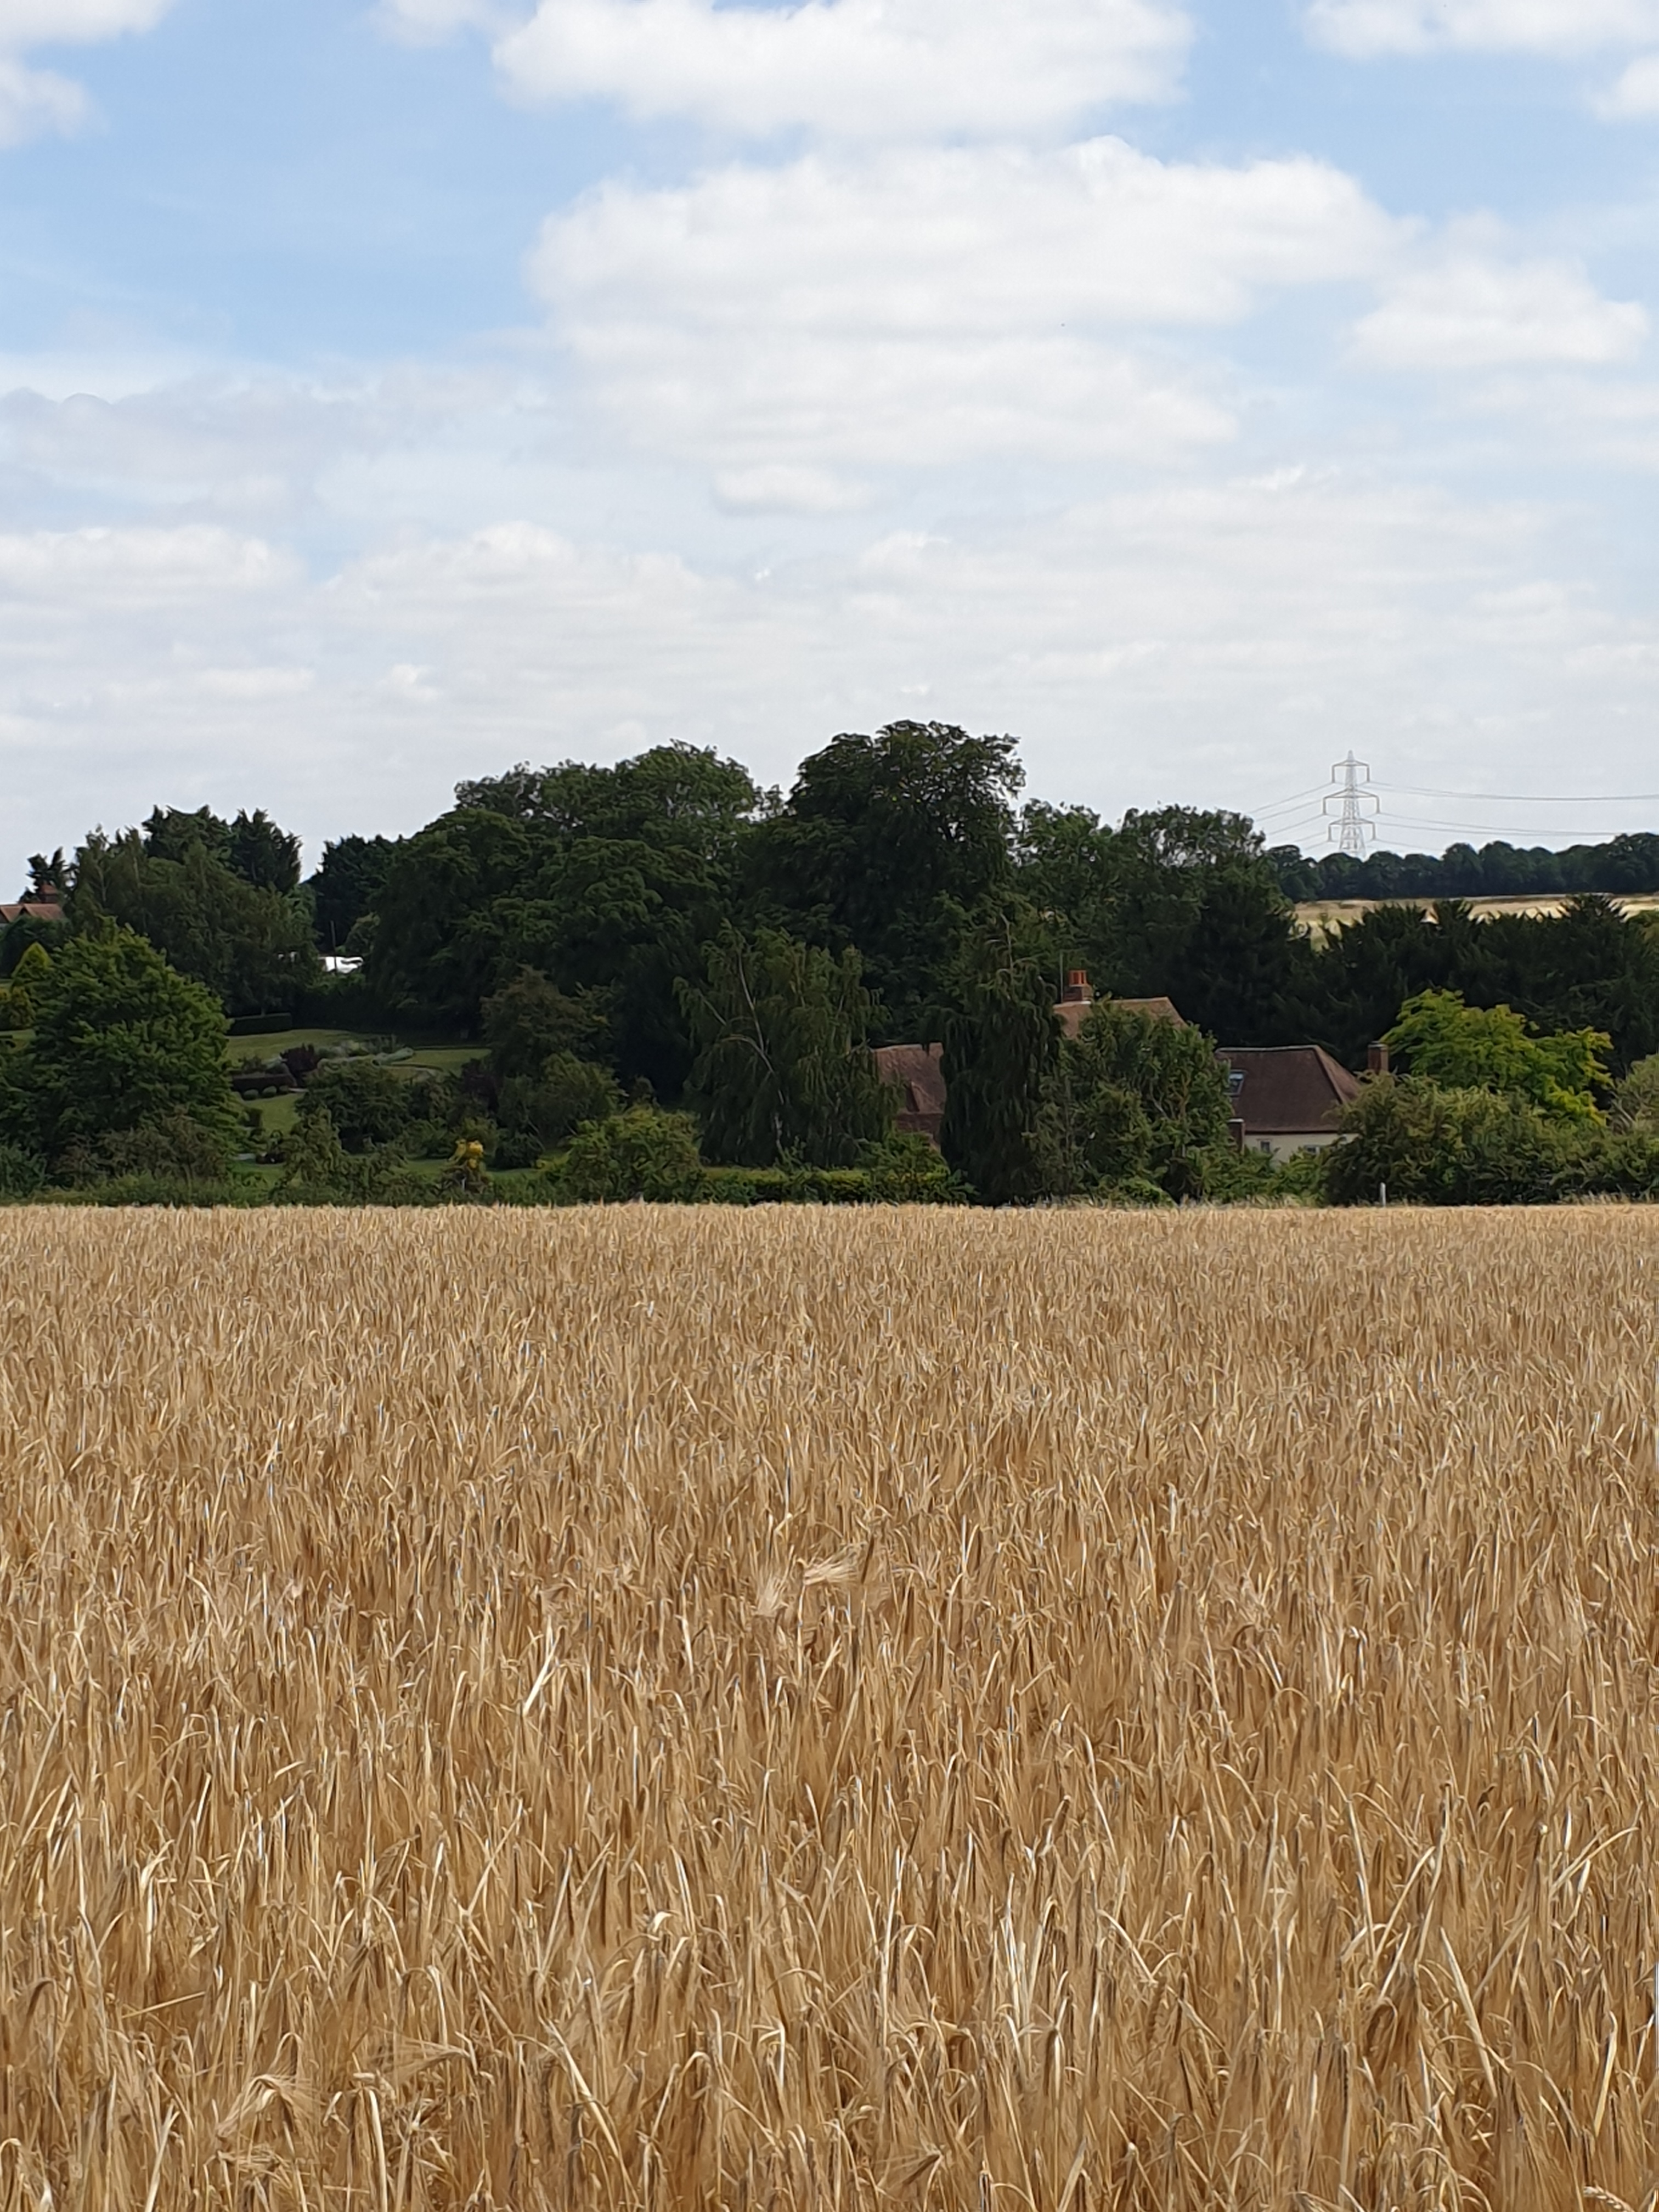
x=1289, y=1090
x=915, y=1069
x=1074, y=1012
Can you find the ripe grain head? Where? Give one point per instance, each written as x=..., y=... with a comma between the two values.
x=796, y=1708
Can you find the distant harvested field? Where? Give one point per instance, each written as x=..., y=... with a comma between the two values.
x=1320, y=918
x=789, y=1709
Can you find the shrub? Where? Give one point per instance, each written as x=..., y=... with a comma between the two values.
x=1137, y=1191
x=643, y=1153
x=1636, y=1101
x=171, y=1149
x=551, y=1107
x=905, y=1170
x=1437, y=1147
x=518, y=1148
x=366, y=1103
x=30, y=979
x=313, y=1159
x=21, y=1172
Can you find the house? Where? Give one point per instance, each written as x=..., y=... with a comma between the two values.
x=44, y=905
x=1287, y=1098
x=916, y=1072
x=1077, y=1002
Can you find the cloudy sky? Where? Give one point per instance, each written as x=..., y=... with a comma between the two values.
x=392, y=391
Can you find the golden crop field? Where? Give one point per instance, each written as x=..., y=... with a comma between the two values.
x=798, y=1709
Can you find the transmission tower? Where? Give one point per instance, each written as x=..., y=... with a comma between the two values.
x=1351, y=828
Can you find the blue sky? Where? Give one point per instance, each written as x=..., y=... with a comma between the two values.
x=391, y=392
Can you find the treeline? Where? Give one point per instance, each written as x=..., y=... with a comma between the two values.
x=905, y=858
x=1498, y=870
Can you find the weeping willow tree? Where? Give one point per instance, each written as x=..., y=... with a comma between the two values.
x=784, y=1070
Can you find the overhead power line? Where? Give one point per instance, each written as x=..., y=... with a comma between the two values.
x=1529, y=798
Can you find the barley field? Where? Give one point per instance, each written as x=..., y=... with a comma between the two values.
x=798, y=1709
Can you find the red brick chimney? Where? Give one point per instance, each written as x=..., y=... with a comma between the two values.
x=1376, y=1059
x=1077, y=992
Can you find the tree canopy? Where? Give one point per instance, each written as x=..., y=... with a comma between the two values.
x=121, y=1039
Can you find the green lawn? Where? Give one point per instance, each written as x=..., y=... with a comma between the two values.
x=424, y=1052
x=276, y=1115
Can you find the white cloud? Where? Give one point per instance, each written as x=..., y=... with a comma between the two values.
x=1470, y=312
x=781, y=490
x=1635, y=94
x=1368, y=28
x=60, y=23
x=922, y=307
x=853, y=69
x=1197, y=642
x=34, y=102
x=422, y=23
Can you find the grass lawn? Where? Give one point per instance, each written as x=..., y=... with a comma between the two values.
x=424, y=1052
x=276, y=1115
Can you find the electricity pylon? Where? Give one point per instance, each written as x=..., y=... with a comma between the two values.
x=1351, y=829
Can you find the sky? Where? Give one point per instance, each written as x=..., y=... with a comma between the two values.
x=392, y=389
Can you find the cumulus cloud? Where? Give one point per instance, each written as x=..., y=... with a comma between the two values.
x=1367, y=28
x=36, y=102
x=57, y=22
x=922, y=306
x=1634, y=96
x=851, y=69
x=422, y=23
x=1193, y=641
x=1470, y=312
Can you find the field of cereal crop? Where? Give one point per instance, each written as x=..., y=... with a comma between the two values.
x=792, y=1709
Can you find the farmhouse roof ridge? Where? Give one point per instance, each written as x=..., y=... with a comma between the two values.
x=1287, y=1089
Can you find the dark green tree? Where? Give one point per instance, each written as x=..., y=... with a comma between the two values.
x=347, y=886
x=1001, y=1051
x=530, y=1018
x=120, y=1040
x=1434, y=1146
x=784, y=1069
x=172, y=833
x=263, y=854
x=437, y=942
x=252, y=947
x=1136, y=1098
x=881, y=840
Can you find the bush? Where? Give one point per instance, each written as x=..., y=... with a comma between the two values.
x=172, y=1149
x=548, y=1107
x=21, y=1172
x=1437, y=1147
x=366, y=1103
x=643, y=1153
x=904, y=1170
x=1137, y=1191
x=518, y=1148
